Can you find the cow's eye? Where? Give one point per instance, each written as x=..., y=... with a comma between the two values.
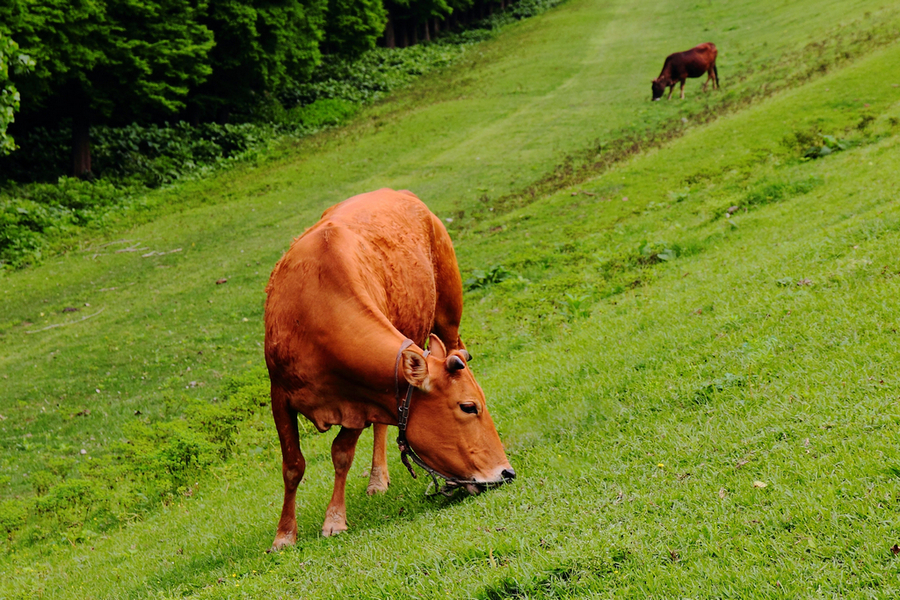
x=469, y=408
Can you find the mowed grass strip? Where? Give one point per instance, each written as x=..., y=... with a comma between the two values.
x=640, y=412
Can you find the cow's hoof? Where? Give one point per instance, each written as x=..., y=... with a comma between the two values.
x=378, y=482
x=283, y=540
x=331, y=528
x=378, y=487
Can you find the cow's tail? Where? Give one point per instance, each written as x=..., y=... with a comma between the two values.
x=716, y=74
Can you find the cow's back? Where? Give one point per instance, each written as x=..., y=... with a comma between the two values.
x=347, y=286
x=690, y=63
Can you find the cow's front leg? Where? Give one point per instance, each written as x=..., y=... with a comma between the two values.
x=342, y=450
x=671, y=89
x=682, y=89
x=379, y=479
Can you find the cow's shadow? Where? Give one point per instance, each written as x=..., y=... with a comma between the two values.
x=406, y=499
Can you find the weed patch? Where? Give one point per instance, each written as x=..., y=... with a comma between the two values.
x=481, y=279
x=769, y=192
x=713, y=389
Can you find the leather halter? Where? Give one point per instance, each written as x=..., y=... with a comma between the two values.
x=406, y=451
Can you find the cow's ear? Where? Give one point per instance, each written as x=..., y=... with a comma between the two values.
x=437, y=347
x=415, y=369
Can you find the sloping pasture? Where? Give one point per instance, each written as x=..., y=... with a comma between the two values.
x=692, y=359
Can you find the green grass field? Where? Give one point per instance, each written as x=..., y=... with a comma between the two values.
x=692, y=360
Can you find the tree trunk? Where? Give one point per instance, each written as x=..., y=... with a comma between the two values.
x=437, y=26
x=81, y=137
x=405, y=40
x=389, y=40
x=415, y=39
x=193, y=114
x=427, y=34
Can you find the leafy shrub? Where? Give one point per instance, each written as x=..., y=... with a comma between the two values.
x=136, y=155
x=680, y=196
x=372, y=75
x=482, y=279
x=41, y=481
x=31, y=214
x=324, y=112
x=775, y=191
x=828, y=144
x=523, y=9
x=812, y=143
x=168, y=454
x=654, y=252
x=12, y=516
x=574, y=306
x=68, y=494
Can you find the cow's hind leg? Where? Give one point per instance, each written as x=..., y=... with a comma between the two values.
x=711, y=78
x=342, y=450
x=682, y=89
x=379, y=479
x=292, y=468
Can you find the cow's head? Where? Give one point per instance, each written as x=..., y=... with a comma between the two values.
x=658, y=88
x=449, y=424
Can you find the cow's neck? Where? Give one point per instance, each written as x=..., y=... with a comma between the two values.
x=369, y=363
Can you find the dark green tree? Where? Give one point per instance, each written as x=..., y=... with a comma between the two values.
x=10, y=60
x=116, y=59
x=412, y=21
x=261, y=46
x=353, y=26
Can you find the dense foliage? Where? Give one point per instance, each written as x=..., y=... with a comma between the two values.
x=10, y=59
x=260, y=46
x=118, y=59
x=353, y=26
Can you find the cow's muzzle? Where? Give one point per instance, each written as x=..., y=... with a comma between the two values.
x=476, y=488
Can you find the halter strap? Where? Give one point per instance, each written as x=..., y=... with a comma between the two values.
x=406, y=451
x=406, y=344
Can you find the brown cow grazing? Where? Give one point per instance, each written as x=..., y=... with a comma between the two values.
x=690, y=63
x=349, y=308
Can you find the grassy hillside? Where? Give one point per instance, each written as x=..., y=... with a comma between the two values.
x=692, y=361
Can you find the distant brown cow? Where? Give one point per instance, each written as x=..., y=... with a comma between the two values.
x=349, y=308
x=690, y=63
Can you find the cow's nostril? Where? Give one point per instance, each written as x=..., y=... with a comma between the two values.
x=508, y=474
